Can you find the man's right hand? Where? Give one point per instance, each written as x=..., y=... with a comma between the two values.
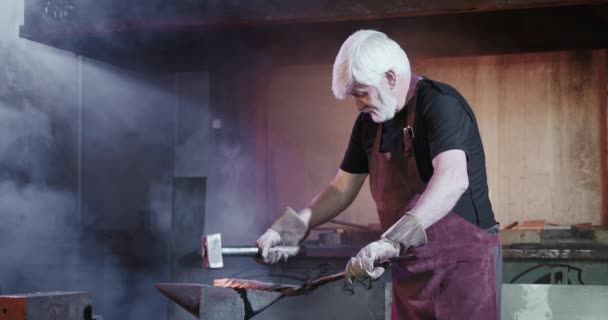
x=266, y=242
x=289, y=230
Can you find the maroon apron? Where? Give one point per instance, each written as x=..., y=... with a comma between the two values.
x=452, y=276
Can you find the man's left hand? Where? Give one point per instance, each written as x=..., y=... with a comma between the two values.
x=362, y=265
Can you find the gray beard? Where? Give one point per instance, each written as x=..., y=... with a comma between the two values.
x=389, y=104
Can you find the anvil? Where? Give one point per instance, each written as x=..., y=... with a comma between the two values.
x=214, y=303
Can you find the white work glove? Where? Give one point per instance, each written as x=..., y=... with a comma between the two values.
x=405, y=233
x=362, y=265
x=267, y=242
x=289, y=230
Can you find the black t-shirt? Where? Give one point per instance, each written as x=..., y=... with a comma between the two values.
x=444, y=121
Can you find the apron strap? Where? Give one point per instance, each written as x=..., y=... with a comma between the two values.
x=411, y=112
x=408, y=130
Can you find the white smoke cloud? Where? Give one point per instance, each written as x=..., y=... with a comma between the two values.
x=42, y=245
x=11, y=17
x=26, y=141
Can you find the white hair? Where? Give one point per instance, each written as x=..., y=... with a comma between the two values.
x=364, y=58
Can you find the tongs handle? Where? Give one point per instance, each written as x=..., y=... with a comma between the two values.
x=386, y=263
x=337, y=276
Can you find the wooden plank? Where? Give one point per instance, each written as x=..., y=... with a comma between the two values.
x=578, y=128
x=510, y=226
x=530, y=225
x=603, y=97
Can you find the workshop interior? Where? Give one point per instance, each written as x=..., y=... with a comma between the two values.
x=146, y=145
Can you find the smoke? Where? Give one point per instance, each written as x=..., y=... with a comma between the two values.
x=24, y=154
x=88, y=152
x=33, y=211
x=114, y=253
x=11, y=17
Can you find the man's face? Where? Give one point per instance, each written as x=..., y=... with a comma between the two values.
x=379, y=102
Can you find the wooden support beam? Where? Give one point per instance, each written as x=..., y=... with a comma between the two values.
x=268, y=11
x=98, y=19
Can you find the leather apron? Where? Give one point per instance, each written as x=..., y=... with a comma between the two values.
x=452, y=276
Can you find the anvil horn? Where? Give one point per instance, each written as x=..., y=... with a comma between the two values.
x=219, y=303
x=188, y=296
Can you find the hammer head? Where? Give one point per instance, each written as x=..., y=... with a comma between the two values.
x=212, y=251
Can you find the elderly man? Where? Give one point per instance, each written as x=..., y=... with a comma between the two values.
x=419, y=142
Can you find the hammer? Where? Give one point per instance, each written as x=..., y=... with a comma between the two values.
x=213, y=252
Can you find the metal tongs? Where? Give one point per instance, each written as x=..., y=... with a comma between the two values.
x=290, y=289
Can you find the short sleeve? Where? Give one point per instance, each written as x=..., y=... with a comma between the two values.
x=448, y=125
x=355, y=157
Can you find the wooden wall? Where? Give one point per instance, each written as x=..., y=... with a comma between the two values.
x=308, y=134
x=541, y=115
x=540, y=119
x=603, y=97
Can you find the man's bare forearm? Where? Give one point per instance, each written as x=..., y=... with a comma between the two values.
x=333, y=199
x=442, y=193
